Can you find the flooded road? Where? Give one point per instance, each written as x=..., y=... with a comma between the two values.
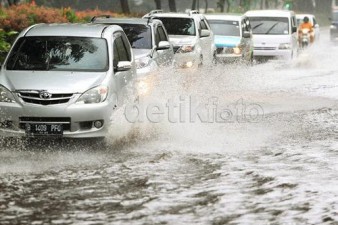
x=274, y=164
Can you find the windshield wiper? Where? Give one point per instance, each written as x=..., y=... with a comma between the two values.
x=258, y=25
x=273, y=26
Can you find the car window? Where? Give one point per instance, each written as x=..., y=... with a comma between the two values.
x=225, y=28
x=127, y=46
x=203, y=25
x=293, y=22
x=179, y=26
x=157, y=38
x=270, y=25
x=161, y=32
x=59, y=53
x=120, y=50
x=243, y=25
x=314, y=21
x=139, y=35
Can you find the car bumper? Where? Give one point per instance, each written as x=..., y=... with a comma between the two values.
x=273, y=53
x=79, y=118
x=228, y=57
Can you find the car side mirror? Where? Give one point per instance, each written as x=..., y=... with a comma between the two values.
x=205, y=33
x=317, y=25
x=246, y=34
x=163, y=45
x=123, y=66
x=294, y=29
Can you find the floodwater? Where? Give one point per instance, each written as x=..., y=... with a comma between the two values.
x=272, y=158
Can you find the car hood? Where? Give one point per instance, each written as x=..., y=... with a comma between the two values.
x=140, y=53
x=270, y=40
x=226, y=41
x=52, y=81
x=179, y=40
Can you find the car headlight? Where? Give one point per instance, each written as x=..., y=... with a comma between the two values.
x=142, y=62
x=237, y=51
x=6, y=95
x=333, y=27
x=284, y=46
x=186, y=49
x=95, y=95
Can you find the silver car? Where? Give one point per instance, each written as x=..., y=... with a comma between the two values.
x=149, y=41
x=191, y=35
x=64, y=80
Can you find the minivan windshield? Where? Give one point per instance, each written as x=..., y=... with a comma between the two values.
x=179, y=26
x=138, y=35
x=59, y=53
x=225, y=28
x=270, y=25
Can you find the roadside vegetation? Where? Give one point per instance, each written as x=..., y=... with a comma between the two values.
x=15, y=18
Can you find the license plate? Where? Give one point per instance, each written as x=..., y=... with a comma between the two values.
x=44, y=129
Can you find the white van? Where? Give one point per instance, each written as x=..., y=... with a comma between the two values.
x=274, y=33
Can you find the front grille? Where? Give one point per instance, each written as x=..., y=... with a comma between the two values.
x=34, y=98
x=224, y=50
x=65, y=121
x=265, y=48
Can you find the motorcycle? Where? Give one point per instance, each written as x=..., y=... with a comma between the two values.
x=305, y=38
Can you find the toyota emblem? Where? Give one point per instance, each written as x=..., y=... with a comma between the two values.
x=45, y=95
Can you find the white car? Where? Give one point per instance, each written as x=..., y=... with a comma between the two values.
x=274, y=33
x=191, y=36
x=313, y=21
x=65, y=86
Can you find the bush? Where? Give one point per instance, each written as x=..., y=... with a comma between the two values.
x=5, y=39
x=18, y=17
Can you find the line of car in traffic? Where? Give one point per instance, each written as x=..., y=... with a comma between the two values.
x=66, y=80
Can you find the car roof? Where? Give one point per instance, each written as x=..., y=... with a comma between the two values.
x=173, y=15
x=224, y=17
x=112, y=20
x=67, y=29
x=269, y=13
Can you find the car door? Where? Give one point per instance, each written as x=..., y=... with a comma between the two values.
x=206, y=42
x=121, y=51
x=165, y=56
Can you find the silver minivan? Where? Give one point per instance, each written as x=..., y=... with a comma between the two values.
x=191, y=36
x=64, y=80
